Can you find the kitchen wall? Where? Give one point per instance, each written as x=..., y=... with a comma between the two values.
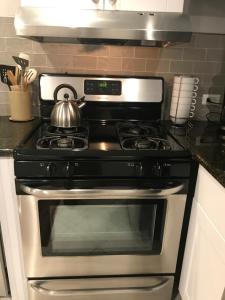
x=204, y=57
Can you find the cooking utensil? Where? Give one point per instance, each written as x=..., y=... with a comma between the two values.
x=66, y=113
x=16, y=88
x=30, y=76
x=17, y=74
x=11, y=77
x=24, y=56
x=4, y=76
x=23, y=63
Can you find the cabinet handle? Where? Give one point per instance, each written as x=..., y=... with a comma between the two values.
x=95, y=1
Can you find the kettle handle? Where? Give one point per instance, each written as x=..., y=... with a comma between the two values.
x=61, y=86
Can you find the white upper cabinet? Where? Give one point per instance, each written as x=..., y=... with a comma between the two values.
x=8, y=8
x=77, y=4
x=175, y=6
x=145, y=5
x=135, y=5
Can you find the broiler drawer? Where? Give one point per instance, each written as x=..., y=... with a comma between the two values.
x=121, y=288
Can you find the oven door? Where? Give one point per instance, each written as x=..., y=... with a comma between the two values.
x=101, y=231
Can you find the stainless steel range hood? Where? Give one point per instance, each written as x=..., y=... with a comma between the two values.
x=101, y=26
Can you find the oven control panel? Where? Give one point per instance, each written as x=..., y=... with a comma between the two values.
x=102, y=87
x=86, y=168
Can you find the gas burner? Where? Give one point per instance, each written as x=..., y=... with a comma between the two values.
x=62, y=143
x=133, y=130
x=145, y=143
x=75, y=131
x=129, y=129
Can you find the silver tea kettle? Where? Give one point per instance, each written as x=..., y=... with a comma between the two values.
x=66, y=113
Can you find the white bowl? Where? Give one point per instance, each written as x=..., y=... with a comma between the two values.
x=178, y=121
x=185, y=87
x=180, y=107
x=181, y=100
x=184, y=94
x=186, y=80
x=180, y=111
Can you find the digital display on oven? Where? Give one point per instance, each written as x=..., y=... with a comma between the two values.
x=102, y=87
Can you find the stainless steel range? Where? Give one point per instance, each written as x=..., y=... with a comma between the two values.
x=102, y=204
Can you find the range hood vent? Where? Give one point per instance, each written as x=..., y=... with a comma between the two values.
x=101, y=26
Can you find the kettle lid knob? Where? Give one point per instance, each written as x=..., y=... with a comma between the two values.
x=66, y=96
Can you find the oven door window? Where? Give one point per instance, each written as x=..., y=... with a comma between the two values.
x=101, y=227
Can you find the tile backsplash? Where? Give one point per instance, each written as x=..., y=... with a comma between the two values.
x=203, y=57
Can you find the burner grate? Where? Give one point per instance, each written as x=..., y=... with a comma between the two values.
x=129, y=129
x=80, y=131
x=145, y=143
x=142, y=136
x=62, y=143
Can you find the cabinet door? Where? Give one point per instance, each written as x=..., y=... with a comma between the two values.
x=8, y=8
x=136, y=5
x=204, y=262
x=175, y=6
x=210, y=194
x=78, y=4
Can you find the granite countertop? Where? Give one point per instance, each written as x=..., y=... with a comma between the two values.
x=12, y=133
x=203, y=140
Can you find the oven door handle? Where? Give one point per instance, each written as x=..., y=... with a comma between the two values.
x=38, y=286
x=149, y=193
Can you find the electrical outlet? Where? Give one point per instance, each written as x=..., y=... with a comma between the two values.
x=211, y=99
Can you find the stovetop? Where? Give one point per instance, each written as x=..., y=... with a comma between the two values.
x=108, y=128
x=116, y=137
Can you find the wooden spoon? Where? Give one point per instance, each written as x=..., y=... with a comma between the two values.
x=12, y=77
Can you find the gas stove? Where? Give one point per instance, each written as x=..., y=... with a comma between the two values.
x=101, y=200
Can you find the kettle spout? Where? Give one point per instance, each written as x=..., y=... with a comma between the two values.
x=81, y=102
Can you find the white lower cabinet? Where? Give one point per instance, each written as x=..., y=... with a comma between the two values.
x=203, y=272
x=11, y=235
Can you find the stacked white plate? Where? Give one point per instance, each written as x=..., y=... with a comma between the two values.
x=183, y=98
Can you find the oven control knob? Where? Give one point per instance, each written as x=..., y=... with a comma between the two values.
x=50, y=168
x=157, y=170
x=69, y=169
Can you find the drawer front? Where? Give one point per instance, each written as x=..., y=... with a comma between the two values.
x=141, y=288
